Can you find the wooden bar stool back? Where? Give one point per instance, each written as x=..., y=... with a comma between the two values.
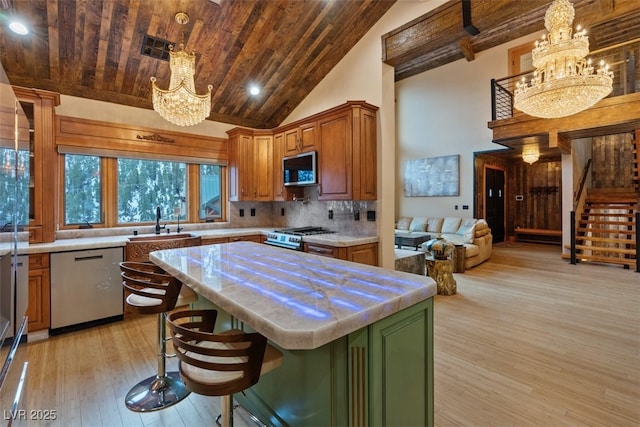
x=219, y=364
x=152, y=291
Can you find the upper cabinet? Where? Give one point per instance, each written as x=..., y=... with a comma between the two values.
x=344, y=138
x=300, y=138
x=347, y=163
x=251, y=165
x=38, y=106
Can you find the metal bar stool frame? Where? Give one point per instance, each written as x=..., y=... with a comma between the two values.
x=152, y=291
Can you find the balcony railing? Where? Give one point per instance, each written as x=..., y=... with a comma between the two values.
x=623, y=60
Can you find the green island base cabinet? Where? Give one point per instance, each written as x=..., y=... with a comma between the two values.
x=369, y=364
x=381, y=375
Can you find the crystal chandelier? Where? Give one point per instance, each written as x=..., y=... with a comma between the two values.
x=564, y=82
x=180, y=104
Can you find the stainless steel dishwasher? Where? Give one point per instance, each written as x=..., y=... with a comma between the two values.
x=85, y=288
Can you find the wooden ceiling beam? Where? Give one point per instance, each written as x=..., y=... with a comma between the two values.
x=467, y=48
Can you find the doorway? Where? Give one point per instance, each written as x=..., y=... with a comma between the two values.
x=494, y=202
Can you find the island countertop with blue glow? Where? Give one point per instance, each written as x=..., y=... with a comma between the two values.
x=297, y=300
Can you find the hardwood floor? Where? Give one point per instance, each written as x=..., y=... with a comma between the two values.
x=529, y=340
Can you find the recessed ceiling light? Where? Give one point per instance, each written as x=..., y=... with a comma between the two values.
x=254, y=90
x=19, y=28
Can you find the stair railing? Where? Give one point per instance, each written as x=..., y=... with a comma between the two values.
x=576, y=204
x=637, y=240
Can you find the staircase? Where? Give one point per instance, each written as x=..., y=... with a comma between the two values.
x=636, y=160
x=606, y=229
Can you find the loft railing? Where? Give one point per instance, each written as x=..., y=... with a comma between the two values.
x=622, y=58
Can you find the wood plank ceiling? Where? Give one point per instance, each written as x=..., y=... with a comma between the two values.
x=92, y=48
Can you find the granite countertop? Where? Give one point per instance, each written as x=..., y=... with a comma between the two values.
x=75, y=241
x=295, y=299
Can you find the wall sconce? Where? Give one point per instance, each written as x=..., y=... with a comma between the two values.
x=530, y=153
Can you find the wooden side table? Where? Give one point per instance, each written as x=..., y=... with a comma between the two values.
x=458, y=258
x=441, y=270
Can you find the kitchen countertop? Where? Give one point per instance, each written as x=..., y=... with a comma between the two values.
x=295, y=299
x=98, y=241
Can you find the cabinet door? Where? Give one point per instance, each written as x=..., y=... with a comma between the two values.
x=39, y=300
x=335, y=161
x=365, y=155
x=307, y=135
x=300, y=139
x=262, y=170
x=364, y=254
x=291, y=141
x=278, y=178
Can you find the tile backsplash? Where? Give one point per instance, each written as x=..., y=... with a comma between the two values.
x=338, y=216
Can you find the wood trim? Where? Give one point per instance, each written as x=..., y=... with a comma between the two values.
x=611, y=115
x=98, y=135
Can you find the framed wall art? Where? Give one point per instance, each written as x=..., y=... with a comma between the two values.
x=433, y=176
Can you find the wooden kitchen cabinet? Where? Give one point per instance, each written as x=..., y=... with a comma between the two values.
x=213, y=240
x=251, y=167
x=347, y=162
x=38, y=106
x=257, y=238
x=363, y=254
x=39, y=305
x=300, y=139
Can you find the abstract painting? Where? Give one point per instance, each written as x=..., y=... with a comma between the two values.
x=433, y=176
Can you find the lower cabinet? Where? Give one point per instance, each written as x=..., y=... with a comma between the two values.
x=39, y=305
x=258, y=238
x=363, y=254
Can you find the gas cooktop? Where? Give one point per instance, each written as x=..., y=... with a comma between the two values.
x=291, y=238
x=304, y=231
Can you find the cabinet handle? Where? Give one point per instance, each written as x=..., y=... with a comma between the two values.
x=320, y=250
x=319, y=189
x=87, y=258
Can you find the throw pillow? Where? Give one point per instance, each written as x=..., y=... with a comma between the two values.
x=418, y=224
x=403, y=223
x=451, y=225
x=466, y=230
x=434, y=225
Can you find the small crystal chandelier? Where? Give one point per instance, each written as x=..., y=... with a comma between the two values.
x=530, y=153
x=180, y=104
x=564, y=82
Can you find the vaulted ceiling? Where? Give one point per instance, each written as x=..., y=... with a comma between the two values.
x=92, y=48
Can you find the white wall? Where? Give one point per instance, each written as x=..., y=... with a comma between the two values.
x=72, y=106
x=444, y=112
x=361, y=75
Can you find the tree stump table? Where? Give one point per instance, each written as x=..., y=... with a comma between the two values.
x=441, y=270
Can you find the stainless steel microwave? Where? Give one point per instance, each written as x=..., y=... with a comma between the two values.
x=300, y=169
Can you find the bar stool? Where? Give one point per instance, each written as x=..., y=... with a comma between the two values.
x=219, y=364
x=152, y=291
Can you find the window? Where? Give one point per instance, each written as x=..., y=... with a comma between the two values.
x=184, y=192
x=10, y=187
x=144, y=185
x=210, y=192
x=82, y=190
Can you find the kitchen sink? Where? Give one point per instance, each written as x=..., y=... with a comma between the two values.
x=138, y=248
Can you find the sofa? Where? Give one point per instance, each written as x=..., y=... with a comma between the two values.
x=473, y=233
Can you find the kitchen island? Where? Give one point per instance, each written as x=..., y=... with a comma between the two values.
x=357, y=340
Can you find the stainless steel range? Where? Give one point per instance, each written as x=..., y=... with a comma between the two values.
x=291, y=238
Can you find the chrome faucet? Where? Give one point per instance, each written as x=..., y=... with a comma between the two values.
x=158, y=228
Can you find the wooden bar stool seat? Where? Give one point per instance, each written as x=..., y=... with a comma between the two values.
x=219, y=364
x=152, y=291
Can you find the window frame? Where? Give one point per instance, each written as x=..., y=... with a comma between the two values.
x=109, y=189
